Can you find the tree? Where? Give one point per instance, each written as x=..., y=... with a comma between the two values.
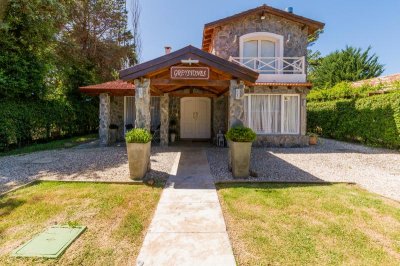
x=349, y=64
x=27, y=35
x=313, y=57
x=94, y=43
x=135, y=18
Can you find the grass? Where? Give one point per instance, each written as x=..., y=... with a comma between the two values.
x=52, y=145
x=116, y=217
x=294, y=224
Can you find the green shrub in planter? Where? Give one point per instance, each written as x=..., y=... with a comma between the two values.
x=240, y=142
x=138, y=135
x=241, y=134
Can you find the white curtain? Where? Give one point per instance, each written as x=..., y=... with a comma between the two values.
x=246, y=108
x=291, y=114
x=266, y=113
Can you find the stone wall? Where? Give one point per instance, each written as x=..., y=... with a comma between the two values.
x=175, y=113
x=164, y=117
x=236, y=106
x=220, y=114
x=281, y=141
x=104, y=119
x=226, y=38
x=117, y=114
x=142, y=104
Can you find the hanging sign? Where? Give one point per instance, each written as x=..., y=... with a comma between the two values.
x=179, y=72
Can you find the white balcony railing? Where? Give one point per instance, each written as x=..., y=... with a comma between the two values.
x=275, y=69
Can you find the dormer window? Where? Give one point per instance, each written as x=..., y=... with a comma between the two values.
x=261, y=51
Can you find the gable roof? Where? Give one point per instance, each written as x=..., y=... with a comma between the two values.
x=153, y=66
x=209, y=28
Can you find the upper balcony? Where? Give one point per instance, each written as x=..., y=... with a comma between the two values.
x=275, y=69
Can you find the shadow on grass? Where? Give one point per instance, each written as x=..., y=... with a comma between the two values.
x=8, y=205
x=270, y=185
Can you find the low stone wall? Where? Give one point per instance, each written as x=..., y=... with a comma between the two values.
x=281, y=141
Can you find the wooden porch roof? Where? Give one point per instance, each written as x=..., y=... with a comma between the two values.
x=153, y=67
x=158, y=71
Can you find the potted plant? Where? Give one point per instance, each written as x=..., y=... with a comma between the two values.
x=138, y=144
x=313, y=138
x=240, y=141
x=113, y=133
x=172, y=130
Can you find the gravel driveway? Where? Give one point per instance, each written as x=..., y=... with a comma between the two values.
x=80, y=163
x=377, y=170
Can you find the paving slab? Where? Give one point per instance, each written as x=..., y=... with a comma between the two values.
x=186, y=249
x=188, y=227
x=188, y=217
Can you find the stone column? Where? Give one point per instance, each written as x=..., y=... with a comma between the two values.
x=164, y=128
x=236, y=106
x=105, y=119
x=142, y=104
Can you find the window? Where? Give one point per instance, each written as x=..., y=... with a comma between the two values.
x=260, y=50
x=130, y=111
x=272, y=113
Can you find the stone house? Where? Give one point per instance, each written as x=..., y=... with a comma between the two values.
x=250, y=70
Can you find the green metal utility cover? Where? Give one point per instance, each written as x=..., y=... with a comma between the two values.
x=51, y=243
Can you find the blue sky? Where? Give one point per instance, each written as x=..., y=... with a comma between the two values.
x=358, y=23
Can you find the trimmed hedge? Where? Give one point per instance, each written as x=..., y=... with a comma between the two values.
x=241, y=134
x=372, y=120
x=24, y=122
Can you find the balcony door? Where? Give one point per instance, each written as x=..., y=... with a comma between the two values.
x=263, y=52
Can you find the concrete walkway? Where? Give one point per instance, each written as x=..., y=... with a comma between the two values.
x=188, y=227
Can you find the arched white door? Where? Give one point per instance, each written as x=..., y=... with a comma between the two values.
x=195, y=118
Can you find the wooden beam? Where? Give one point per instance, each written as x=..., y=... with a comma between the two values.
x=156, y=91
x=190, y=82
x=210, y=89
x=178, y=94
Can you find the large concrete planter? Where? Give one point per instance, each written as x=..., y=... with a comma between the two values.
x=240, y=153
x=138, y=159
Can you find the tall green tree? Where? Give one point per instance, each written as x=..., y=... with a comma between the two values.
x=27, y=35
x=95, y=42
x=349, y=64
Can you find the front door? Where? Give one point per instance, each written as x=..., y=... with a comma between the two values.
x=195, y=118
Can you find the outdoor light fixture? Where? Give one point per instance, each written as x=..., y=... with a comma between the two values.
x=288, y=38
x=189, y=61
x=238, y=94
x=263, y=15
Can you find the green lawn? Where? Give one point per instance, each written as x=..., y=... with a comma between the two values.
x=52, y=145
x=294, y=224
x=116, y=216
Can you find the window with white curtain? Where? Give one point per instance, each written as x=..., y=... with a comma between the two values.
x=272, y=113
